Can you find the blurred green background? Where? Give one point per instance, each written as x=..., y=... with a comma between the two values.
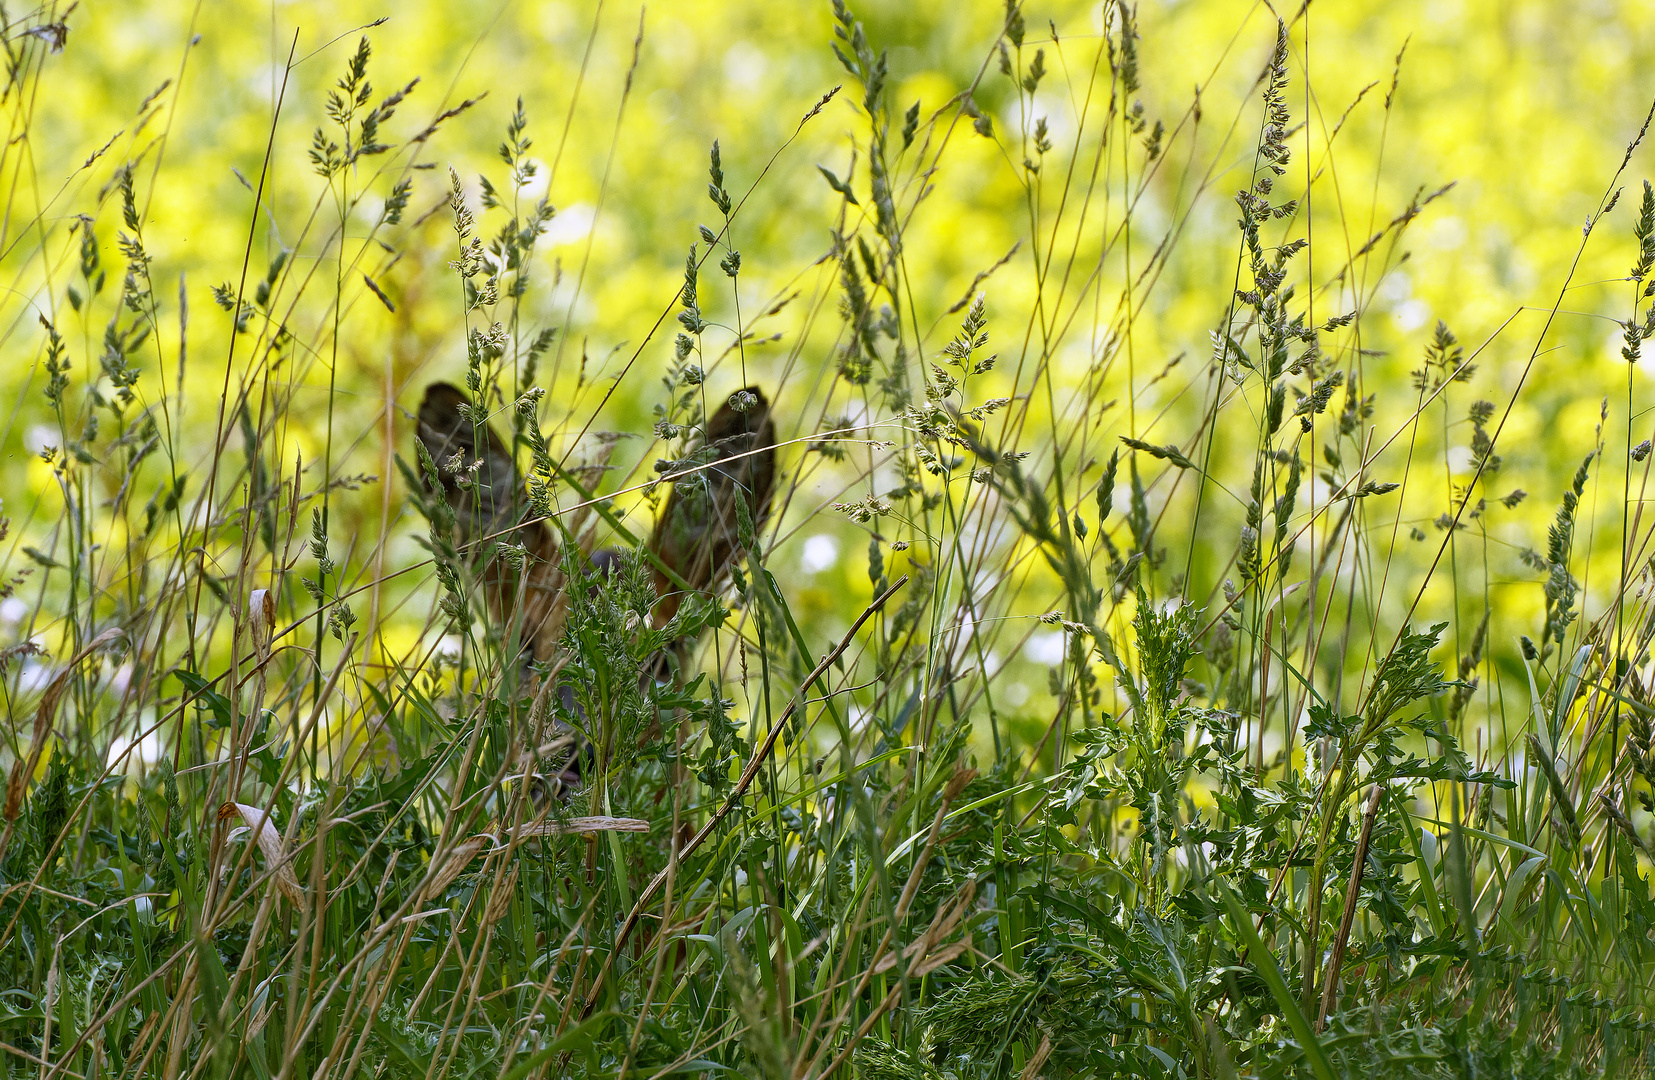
x=1526, y=107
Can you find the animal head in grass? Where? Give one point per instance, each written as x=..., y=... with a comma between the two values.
x=726, y=479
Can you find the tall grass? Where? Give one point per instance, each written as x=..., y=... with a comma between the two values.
x=1307, y=796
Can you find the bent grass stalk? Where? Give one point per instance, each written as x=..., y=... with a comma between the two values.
x=1074, y=789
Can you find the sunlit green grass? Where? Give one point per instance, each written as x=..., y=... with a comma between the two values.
x=1195, y=633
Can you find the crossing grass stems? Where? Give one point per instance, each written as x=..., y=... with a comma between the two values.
x=1300, y=802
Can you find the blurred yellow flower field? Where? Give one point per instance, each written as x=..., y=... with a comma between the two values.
x=1190, y=615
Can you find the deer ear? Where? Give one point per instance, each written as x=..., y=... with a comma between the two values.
x=484, y=501
x=487, y=502
x=697, y=536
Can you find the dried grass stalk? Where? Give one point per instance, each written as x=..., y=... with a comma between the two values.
x=1041, y=1053
x=500, y=901
x=569, y=826
x=462, y=854
x=23, y=768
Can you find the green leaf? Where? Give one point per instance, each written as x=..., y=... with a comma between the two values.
x=838, y=185
x=584, y=1032
x=393, y=1038
x=206, y=698
x=1265, y=961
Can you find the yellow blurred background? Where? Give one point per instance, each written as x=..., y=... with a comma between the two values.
x=1526, y=107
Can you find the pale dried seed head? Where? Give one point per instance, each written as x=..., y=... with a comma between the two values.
x=499, y=902
x=23, y=768
x=458, y=858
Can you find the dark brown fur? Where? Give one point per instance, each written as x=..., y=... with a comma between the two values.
x=485, y=510
x=696, y=536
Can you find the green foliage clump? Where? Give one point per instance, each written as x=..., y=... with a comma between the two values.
x=1195, y=718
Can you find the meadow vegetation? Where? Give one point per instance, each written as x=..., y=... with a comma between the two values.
x=1167, y=652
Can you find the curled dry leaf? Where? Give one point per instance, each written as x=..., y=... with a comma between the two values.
x=261, y=619
x=263, y=827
